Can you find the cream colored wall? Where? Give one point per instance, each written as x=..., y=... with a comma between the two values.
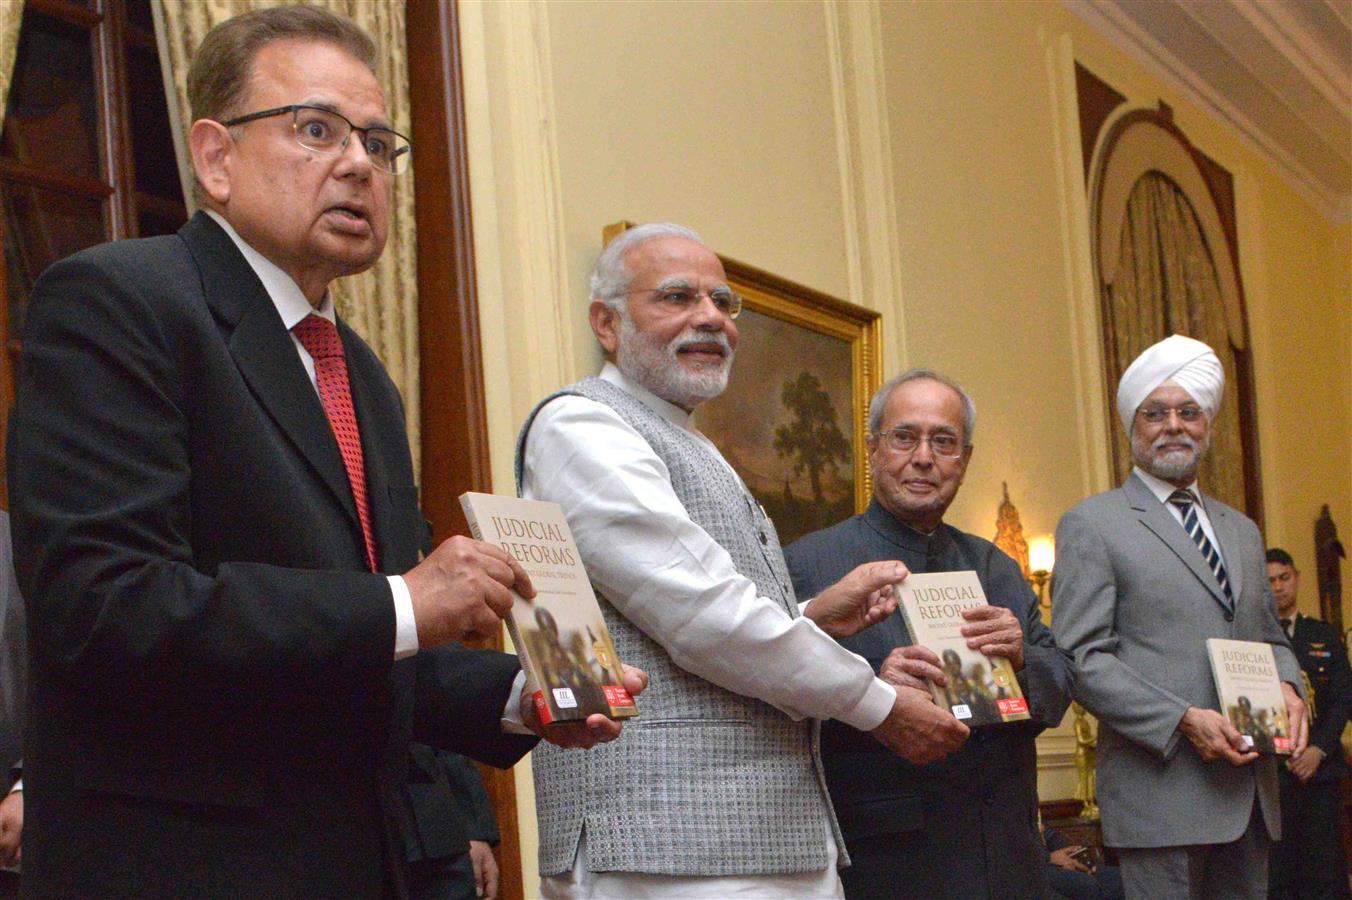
x=919, y=158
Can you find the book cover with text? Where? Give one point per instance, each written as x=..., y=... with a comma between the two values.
x=560, y=635
x=1251, y=693
x=981, y=690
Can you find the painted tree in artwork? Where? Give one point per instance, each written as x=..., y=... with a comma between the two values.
x=812, y=440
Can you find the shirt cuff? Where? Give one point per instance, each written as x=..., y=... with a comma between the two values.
x=511, y=713
x=18, y=786
x=405, y=626
x=873, y=708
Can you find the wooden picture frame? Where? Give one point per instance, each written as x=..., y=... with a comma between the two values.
x=797, y=344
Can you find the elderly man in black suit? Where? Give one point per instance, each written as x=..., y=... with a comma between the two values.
x=965, y=826
x=233, y=638
x=1308, y=862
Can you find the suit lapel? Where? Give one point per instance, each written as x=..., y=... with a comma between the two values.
x=265, y=353
x=1164, y=526
x=378, y=426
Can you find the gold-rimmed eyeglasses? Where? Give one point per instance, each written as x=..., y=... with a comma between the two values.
x=908, y=440
x=679, y=299
x=1154, y=415
x=326, y=131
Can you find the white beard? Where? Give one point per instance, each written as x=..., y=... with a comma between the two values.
x=1173, y=467
x=658, y=366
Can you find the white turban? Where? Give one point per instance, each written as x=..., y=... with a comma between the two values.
x=1190, y=363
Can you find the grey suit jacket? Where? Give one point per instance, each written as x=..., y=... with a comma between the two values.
x=1134, y=603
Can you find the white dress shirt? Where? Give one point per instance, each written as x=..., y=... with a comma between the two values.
x=671, y=579
x=292, y=306
x=1162, y=489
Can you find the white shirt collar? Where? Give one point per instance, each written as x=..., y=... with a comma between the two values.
x=1161, y=488
x=669, y=411
x=282, y=288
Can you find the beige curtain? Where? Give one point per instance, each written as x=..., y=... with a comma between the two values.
x=1167, y=284
x=382, y=304
x=11, y=16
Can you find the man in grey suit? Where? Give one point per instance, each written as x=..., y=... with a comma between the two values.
x=1144, y=575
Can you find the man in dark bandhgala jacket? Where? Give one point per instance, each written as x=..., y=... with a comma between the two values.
x=965, y=826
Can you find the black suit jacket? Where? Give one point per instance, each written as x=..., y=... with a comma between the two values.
x=1323, y=659
x=213, y=704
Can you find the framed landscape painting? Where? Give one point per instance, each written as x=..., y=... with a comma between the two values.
x=793, y=421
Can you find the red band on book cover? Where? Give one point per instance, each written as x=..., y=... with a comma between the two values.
x=616, y=695
x=1012, y=705
x=542, y=708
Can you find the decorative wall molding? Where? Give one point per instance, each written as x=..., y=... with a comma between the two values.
x=516, y=188
x=1081, y=297
x=864, y=150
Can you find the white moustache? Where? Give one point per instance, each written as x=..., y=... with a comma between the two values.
x=1183, y=439
x=696, y=338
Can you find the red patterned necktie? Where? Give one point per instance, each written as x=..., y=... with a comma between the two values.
x=320, y=339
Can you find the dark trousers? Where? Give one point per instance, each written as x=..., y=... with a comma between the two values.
x=1309, y=861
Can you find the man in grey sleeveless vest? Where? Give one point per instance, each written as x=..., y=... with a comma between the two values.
x=717, y=789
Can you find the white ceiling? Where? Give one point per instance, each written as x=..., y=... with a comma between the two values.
x=1280, y=71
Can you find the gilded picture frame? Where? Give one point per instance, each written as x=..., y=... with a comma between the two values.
x=793, y=422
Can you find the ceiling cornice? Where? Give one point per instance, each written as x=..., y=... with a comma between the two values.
x=1278, y=77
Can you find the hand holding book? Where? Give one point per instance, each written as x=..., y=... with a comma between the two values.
x=919, y=731
x=914, y=667
x=1214, y=737
x=862, y=598
x=994, y=631
x=1300, y=719
x=597, y=728
x=463, y=590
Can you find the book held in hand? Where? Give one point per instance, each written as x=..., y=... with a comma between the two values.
x=560, y=635
x=1251, y=693
x=981, y=690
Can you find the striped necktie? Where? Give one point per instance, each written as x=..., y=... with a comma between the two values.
x=1185, y=503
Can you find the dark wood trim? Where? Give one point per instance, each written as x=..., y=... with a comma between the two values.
x=1060, y=809
x=79, y=185
x=70, y=13
x=1096, y=100
x=455, y=454
x=160, y=206
x=110, y=80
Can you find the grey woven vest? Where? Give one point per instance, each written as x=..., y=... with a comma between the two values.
x=704, y=781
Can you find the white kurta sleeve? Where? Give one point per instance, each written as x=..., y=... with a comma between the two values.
x=667, y=575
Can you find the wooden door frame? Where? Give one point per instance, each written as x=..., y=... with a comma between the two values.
x=455, y=453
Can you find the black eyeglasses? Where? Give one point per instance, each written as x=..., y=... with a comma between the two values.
x=326, y=131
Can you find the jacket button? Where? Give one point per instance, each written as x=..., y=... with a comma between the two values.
x=1229, y=617
x=764, y=538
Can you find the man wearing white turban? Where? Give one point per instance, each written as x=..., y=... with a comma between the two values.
x=1145, y=574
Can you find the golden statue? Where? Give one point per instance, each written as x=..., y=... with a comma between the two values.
x=1009, y=532
x=1086, y=744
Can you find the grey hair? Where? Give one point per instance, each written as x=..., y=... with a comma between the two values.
x=611, y=277
x=879, y=401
